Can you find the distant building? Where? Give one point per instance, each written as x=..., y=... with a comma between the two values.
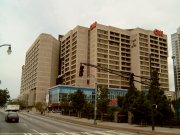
x=175, y=40
x=40, y=70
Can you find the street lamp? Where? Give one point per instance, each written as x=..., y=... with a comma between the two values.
x=175, y=84
x=8, y=51
x=9, y=48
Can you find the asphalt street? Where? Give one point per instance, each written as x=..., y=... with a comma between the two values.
x=30, y=124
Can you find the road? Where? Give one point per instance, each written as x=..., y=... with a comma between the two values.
x=39, y=125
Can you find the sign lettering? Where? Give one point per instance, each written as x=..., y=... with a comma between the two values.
x=158, y=33
x=113, y=102
x=92, y=26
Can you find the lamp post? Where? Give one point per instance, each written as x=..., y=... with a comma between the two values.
x=9, y=48
x=175, y=85
x=8, y=51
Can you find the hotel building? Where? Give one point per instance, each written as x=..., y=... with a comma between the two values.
x=123, y=50
x=40, y=70
x=50, y=62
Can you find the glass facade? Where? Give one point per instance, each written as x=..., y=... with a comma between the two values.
x=56, y=93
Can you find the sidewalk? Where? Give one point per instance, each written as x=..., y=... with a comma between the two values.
x=114, y=126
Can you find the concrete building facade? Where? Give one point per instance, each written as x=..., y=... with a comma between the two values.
x=149, y=49
x=40, y=70
x=126, y=50
x=175, y=40
x=73, y=50
x=50, y=62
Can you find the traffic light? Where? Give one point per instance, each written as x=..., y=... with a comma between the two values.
x=131, y=78
x=81, y=70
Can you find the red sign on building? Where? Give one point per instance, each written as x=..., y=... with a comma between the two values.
x=158, y=33
x=92, y=26
x=113, y=102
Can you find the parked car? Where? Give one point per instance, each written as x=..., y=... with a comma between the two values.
x=12, y=117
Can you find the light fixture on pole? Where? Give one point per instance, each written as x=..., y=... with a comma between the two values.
x=9, y=51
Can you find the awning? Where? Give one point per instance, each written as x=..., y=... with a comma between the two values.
x=54, y=104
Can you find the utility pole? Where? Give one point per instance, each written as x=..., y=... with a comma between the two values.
x=95, y=104
x=81, y=70
x=115, y=72
x=152, y=96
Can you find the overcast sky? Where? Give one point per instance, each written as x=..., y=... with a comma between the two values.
x=21, y=21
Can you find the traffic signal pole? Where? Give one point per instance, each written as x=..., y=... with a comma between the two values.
x=152, y=96
x=115, y=72
x=95, y=104
x=123, y=74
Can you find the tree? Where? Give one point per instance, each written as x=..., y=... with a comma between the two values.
x=120, y=100
x=103, y=101
x=157, y=98
x=4, y=97
x=129, y=99
x=88, y=109
x=65, y=102
x=41, y=107
x=175, y=103
x=78, y=101
x=131, y=95
x=141, y=109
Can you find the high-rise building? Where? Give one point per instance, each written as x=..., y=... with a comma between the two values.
x=149, y=49
x=175, y=40
x=40, y=70
x=126, y=50
x=73, y=50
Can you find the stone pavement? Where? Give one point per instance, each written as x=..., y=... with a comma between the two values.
x=114, y=126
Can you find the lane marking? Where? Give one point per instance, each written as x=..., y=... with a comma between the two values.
x=87, y=133
x=71, y=133
x=36, y=131
x=101, y=133
x=115, y=132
